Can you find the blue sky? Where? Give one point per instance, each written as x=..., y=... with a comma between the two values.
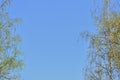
x=52, y=46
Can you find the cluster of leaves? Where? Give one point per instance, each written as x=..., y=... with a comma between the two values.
x=104, y=48
x=10, y=60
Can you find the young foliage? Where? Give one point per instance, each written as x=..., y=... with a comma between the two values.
x=104, y=48
x=10, y=60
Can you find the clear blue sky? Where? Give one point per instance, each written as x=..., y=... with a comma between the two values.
x=50, y=30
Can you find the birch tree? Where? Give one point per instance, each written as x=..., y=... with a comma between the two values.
x=10, y=60
x=104, y=48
